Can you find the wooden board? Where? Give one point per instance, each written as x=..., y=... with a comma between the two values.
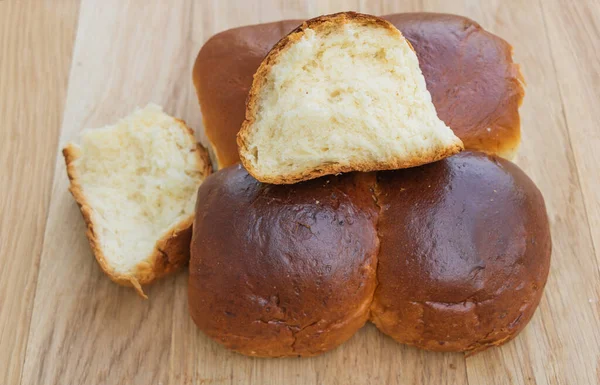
x=36, y=42
x=63, y=322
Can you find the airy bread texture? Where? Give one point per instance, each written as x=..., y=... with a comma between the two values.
x=449, y=256
x=136, y=184
x=343, y=92
x=474, y=84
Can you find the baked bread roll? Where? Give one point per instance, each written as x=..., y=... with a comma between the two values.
x=341, y=93
x=464, y=255
x=282, y=270
x=460, y=251
x=475, y=86
x=135, y=183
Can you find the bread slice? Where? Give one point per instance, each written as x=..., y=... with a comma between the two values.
x=342, y=92
x=136, y=184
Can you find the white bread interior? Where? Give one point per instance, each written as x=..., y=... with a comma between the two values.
x=136, y=181
x=349, y=96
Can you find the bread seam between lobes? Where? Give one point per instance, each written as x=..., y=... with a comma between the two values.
x=161, y=155
x=346, y=123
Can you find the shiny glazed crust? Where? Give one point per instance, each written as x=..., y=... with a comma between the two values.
x=465, y=253
x=283, y=270
x=470, y=74
x=459, y=251
x=171, y=251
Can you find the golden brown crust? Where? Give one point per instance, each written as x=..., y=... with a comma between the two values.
x=170, y=252
x=333, y=168
x=461, y=250
x=474, y=84
x=203, y=158
x=322, y=24
x=222, y=76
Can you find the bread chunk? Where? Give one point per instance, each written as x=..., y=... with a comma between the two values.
x=342, y=92
x=136, y=183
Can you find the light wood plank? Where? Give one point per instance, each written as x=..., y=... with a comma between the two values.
x=84, y=328
x=574, y=32
x=36, y=42
x=562, y=343
x=369, y=357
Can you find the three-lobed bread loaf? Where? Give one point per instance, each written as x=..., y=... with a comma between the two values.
x=450, y=256
x=136, y=184
x=475, y=86
x=342, y=92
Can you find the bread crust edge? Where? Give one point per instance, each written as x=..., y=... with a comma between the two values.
x=322, y=23
x=171, y=251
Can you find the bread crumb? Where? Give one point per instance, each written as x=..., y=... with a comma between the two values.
x=366, y=87
x=138, y=179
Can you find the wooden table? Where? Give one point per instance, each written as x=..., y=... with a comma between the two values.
x=66, y=65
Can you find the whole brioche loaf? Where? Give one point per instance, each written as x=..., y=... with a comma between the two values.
x=475, y=86
x=450, y=256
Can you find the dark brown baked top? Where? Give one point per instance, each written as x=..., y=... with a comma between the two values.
x=464, y=255
x=459, y=250
x=283, y=270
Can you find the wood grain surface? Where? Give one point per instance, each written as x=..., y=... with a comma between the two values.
x=68, y=64
x=36, y=41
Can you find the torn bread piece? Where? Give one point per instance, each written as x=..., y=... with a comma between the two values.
x=136, y=184
x=342, y=92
